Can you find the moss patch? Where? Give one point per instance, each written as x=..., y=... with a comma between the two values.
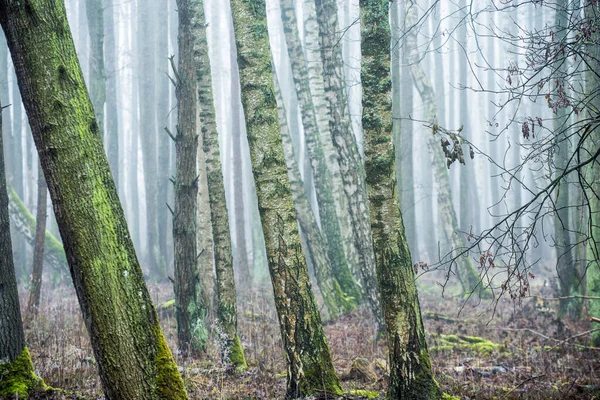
x=17, y=377
x=169, y=384
x=366, y=394
x=462, y=342
x=237, y=358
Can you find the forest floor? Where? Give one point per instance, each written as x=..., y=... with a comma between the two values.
x=507, y=352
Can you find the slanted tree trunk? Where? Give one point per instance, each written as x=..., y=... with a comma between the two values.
x=310, y=368
x=38, y=248
x=312, y=51
x=231, y=349
x=351, y=167
x=189, y=310
x=136, y=363
x=333, y=295
x=466, y=272
x=411, y=376
x=16, y=369
x=327, y=210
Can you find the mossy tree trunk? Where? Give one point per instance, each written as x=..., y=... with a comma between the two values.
x=411, y=376
x=592, y=10
x=327, y=209
x=136, y=363
x=16, y=369
x=231, y=350
x=38, y=249
x=466, y=272
x=330, y=288
x=310, y=368
x=351, y=167
x=191, y=316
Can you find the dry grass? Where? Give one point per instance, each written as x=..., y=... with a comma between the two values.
x=62, y=354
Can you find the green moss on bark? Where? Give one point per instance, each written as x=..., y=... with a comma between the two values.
x=236, y=358
x=169, y=384
x=18, y=378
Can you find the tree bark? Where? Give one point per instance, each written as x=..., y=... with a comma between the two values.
x=411, y=376
x=136, y=363
x=231, y=348
x=351, y=167
x=310, y=368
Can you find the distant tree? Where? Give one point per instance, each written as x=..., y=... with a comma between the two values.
x=16, y=370
x=97, y=80
x=38, y=249
x=136, y=363
x=231, y=349
x=310, y=368
x=411, y=376
x=351, y=167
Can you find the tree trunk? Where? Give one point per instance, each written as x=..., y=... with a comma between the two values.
x=26, y=225
x=97, y=81
x=330, y=288
x=568, y=274
x=351, y=168
x=38, y=248
x=189, y=310
x=466, y=272
x=310, y=368
x=149, y=133
x=592, y=10
x=411, y=376
x=16, y=368
x=136, y=363
x=231, y=348
x=327, y=210
x=312, y=51
x=112, y=114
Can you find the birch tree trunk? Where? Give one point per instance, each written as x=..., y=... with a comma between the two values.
x=327, y=211
x=330, y=288
x=136, y=363
x=231, y=350
x=351, y=167
x=466, y=272
x=411, y=376
x=310, y=368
